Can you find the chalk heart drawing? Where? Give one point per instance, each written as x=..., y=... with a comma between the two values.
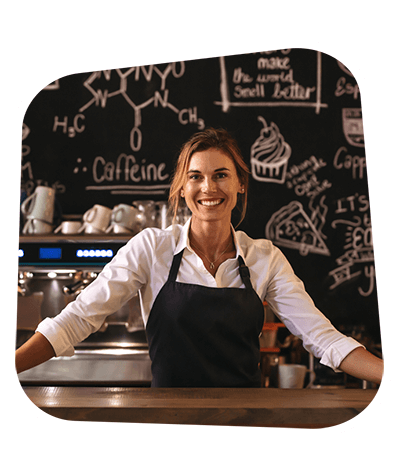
x=269, y=155
x=291, y=227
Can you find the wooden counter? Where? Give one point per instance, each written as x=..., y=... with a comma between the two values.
x=314, y=408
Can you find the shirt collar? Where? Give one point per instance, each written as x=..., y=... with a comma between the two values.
x=184, y=242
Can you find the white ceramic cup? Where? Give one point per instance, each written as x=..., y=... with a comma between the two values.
x=291, y=375
x=89, y=229
x=35, y=226
x=123, y=216
x=117, y=229
x=68, y=227
x=40, y=205
x=96, y=219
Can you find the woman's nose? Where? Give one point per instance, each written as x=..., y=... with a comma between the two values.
x=208, y=185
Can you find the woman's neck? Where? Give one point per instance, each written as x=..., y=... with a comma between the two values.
x=210, y=238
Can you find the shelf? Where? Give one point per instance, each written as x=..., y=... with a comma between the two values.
x=52, y=238
x=272, y=326
x=271, y=349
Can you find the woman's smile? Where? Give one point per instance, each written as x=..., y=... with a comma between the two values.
x=211, y=202
x=211, y=186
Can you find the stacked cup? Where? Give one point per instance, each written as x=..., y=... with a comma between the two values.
x=123, y=220
x=38, y=210
x=68, y=227
x=96, y=220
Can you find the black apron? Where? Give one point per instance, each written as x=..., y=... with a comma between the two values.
x=204, y=336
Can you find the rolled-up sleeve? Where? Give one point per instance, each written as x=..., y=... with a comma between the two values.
x=118, y=282
x=335, y=353
x=57, y=337
x=290, y=302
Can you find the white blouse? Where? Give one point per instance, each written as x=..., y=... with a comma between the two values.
x=143, y=264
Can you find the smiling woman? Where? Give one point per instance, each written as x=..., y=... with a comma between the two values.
x=212, y=179
x=212, y=186
x=217, y=140
x=211, y=190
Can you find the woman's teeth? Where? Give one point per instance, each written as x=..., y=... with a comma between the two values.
x=210, y=202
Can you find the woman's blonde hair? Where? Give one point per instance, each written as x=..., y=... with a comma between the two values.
x=201, y=141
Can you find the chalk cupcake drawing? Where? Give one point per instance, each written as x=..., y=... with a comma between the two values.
x=269, y=154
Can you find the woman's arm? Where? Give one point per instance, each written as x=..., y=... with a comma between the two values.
x=290, y=302
x=362, y=364
x=35, y=351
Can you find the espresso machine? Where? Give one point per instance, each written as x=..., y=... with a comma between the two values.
x=52, y=271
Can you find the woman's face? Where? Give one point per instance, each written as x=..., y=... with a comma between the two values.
x=211, y=186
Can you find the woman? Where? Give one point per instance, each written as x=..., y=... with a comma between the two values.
x=201, y=287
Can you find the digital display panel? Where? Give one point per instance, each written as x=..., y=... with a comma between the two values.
x=68, y=254
x=49, y=253
x=94, y=253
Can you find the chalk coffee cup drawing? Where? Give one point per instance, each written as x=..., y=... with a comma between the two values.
x=68, y=227
x=123, y=219
x=40, y=205
x=96, y=220
x=35, y=226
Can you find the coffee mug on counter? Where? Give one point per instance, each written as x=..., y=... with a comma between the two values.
x=35, y=226
x=68, y=227
x=40, y=205
x=123, y=219
x=96, y=220
x=291, y=375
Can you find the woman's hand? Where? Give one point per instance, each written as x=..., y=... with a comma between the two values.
x=35, y=351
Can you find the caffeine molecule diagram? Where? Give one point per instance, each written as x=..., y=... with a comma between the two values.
x=159, y=98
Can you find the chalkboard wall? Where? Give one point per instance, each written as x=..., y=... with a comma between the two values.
x=113, y=136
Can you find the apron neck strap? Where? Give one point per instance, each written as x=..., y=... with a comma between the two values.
x=244, y=273
x=243, y=270
x=173, y=272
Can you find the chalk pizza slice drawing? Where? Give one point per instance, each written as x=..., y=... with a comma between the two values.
x=291, y=227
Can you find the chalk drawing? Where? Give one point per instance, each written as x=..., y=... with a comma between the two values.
x=291, y=227
x=252, y=91
x=358, y=251
x=26, y=149
x=358, y=256
x=53, y=86
x=302, y=178
x=128, y=84
x=269, y=154
x=353, y=126
x=159, y=98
